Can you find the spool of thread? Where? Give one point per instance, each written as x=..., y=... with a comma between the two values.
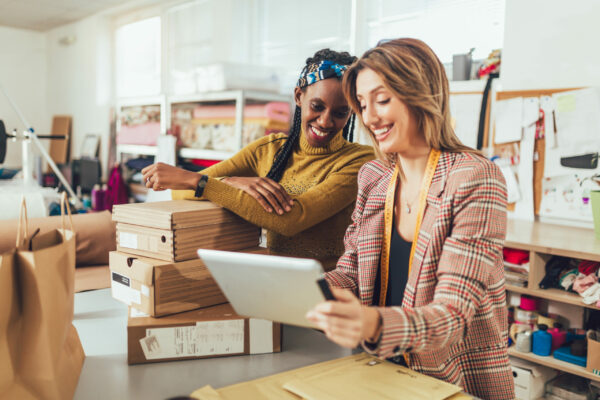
x=546, y=320
x=528, y=303
x=526, y=317
x=524, y=342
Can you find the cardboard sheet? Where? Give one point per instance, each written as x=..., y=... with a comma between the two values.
x=355, y=377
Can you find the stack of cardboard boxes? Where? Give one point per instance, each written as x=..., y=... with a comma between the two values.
x=177, y=310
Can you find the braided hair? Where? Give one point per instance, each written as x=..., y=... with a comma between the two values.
x=282, y=156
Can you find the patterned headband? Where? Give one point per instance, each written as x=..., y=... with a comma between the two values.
x=316, y=72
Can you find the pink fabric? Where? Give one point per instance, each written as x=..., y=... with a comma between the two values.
x=583, y=282
x=278, y=111
x=145, y=134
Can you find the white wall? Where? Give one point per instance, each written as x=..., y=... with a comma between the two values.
x=23, y=76
x=550, y=44
x=80, y=79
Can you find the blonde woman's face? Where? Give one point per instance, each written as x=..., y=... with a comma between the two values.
x=387, y=118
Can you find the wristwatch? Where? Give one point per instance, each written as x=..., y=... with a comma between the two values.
x=201, y=185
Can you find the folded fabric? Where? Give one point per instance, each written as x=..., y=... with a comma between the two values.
x=515, y=256
x=591, y=294
x=588, y=267
x=584, y=282
x=567, y=278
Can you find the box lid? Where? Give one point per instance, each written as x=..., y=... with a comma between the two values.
x=214, y=313
x=174, y=214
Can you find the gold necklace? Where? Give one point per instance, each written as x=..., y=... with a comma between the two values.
x=408, y=206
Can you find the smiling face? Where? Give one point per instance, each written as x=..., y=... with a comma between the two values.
x=388, y=119
x=324, y=110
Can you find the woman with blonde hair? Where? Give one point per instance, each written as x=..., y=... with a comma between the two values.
x=421, y=280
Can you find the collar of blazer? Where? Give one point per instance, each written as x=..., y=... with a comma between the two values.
x=370, y=246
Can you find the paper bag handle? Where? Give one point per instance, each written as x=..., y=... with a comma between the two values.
x=22, y=231
x=64, y=204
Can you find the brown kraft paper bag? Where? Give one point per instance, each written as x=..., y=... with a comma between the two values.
x=40, y=352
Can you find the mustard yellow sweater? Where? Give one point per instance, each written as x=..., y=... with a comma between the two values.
x=321, y=180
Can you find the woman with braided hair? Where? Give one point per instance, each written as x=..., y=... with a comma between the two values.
x=300, y=187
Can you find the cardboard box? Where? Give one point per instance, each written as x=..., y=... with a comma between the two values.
x=181, y=244
x=530, y=379
x=174, y=230
x=160, y=288
x=208, y=332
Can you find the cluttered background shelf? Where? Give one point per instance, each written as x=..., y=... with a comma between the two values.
x=554, y=363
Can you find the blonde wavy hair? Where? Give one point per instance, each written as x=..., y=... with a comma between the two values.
x=414, y=74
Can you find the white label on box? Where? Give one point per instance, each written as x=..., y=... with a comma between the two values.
x=261, y=336
x=122, y=291
x=202, y=339
x=145, y=290
x=128, y=240
x=135, y=313
x=220, y=337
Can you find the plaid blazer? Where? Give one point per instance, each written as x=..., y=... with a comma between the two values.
x=453, y=319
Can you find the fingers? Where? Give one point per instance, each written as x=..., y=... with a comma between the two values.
x=343, y=331
x=343, y=295
x=270, y=197
x=259, y=197
x=284, y=197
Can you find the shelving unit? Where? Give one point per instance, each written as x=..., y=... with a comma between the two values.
x=543, y=241
x=139, y=149
x=552, y=362
x=239, y=97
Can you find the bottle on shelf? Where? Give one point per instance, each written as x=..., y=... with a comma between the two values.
x=542, y=341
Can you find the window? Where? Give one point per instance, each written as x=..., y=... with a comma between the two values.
x=448, y=26
x=138, y=58
x=289, y=31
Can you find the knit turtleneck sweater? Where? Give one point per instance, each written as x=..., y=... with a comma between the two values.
x=321, y=180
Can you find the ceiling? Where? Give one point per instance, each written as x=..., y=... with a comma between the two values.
x=41, y=15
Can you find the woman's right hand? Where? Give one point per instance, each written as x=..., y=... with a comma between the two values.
x=269, y=194
x=162, y=176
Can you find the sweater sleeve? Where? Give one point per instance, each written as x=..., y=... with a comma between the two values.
x=469, y=256
x=315, y=205
x=243, y=163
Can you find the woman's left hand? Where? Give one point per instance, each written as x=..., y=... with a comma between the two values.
x=345, y=321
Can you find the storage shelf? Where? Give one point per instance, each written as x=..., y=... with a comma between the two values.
x=566, y=241
x=552, y=294
x=552, y=362
x=136, y=149
x=183, y=152
x=186, y=152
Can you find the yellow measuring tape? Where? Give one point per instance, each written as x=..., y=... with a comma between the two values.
x=434, y=156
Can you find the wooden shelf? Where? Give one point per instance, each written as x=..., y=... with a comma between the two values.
x=552, y=294
x=553, y=239
x=552, y=362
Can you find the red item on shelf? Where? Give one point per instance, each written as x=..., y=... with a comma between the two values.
x=204, y=163
x=515, y=256
x=588, y=267
x=528, y=303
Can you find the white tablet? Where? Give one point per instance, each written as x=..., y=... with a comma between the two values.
x=280, y=289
